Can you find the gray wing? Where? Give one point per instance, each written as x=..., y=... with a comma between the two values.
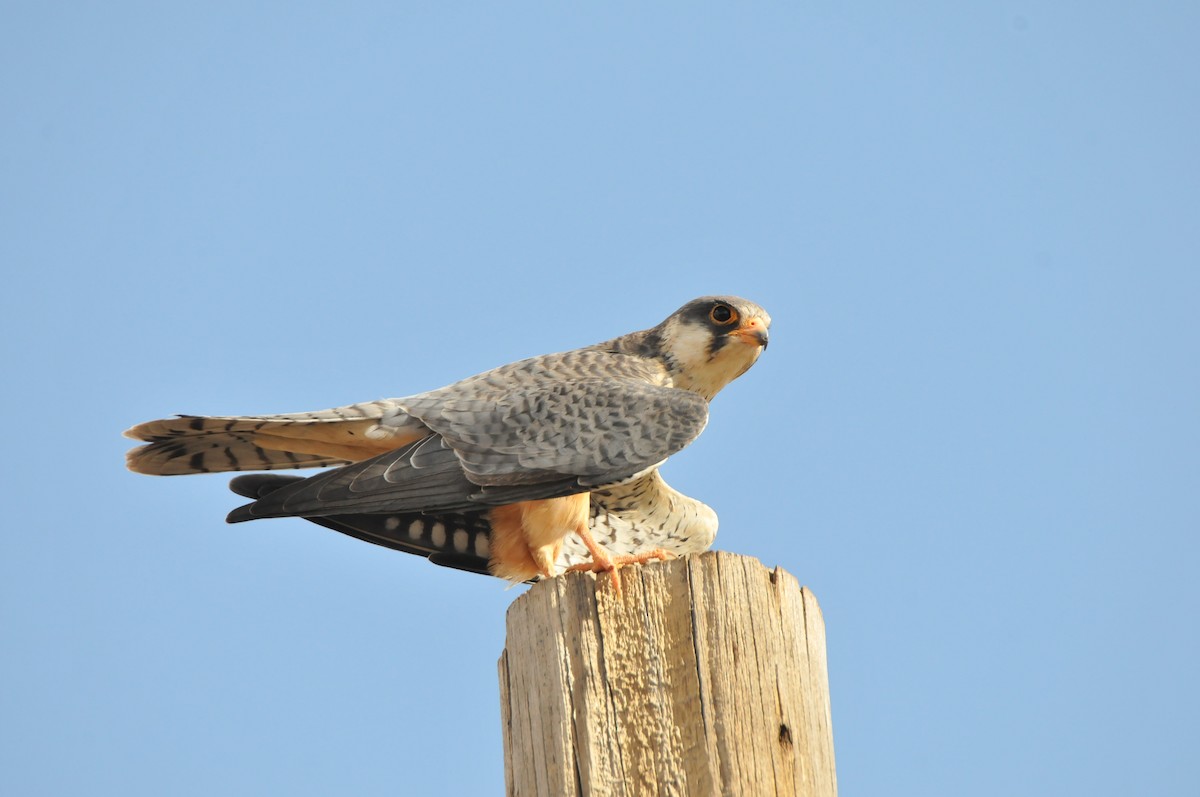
x=593, y=431
x=540, y=441
x=424, y=476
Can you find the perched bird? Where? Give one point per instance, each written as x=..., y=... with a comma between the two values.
x=535, y=466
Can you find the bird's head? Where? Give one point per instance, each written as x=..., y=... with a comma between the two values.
x=711, y=341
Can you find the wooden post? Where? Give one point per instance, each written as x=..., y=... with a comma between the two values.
x=707, y=678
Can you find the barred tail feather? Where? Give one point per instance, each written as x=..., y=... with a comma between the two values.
x=193, y=425
x=218, y=453
x=207, y=444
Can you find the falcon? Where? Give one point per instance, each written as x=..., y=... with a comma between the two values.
x=541, y=465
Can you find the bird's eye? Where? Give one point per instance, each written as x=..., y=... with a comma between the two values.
x=723, y=314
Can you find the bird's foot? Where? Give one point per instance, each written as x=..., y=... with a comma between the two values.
x=661, y=554
x=603, y=562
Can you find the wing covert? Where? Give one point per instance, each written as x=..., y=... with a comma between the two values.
x=595, y=431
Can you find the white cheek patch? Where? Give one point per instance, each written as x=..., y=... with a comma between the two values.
x=687, y=346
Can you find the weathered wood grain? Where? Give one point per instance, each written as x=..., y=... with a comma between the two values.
x=709, y=677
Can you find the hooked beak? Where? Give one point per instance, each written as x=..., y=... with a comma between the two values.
x=753, y=331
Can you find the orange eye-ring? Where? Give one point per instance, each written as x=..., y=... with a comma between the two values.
x=723, y=315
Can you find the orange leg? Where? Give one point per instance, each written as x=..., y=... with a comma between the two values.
x=604, y=562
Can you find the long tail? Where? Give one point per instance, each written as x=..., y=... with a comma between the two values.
x=207, y=444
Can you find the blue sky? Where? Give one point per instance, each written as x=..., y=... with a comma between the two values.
x=974, y=436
